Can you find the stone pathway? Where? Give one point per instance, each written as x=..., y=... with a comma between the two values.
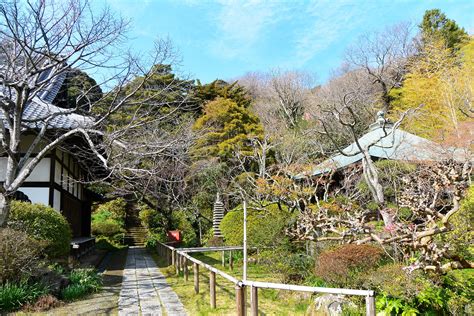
x=144, y=288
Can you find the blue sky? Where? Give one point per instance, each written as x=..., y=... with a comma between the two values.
x=226, y=39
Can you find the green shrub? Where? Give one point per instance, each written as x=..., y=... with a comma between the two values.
x=18, y=255
x=417, y=292
x=112, y=244
x=342, y=265
x=264, y=227
x=117, y=207
x=181, y=222
x=83, y=282
x=460, y=285
x=15, y=295
x=44, y=224
x=109, y=219
x=462, y=235
x=296, y=267
x=109, y=228
x=153, y=239
x=393, y=281
x=154, y=221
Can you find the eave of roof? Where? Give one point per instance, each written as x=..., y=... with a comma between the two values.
x=388, y=143
x=41, y=108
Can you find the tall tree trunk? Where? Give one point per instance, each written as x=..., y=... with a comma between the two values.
x=372, y=179
x=5, y=202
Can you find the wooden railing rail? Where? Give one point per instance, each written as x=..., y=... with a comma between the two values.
x=180, y=258
x=302, y=288
x=217, y=248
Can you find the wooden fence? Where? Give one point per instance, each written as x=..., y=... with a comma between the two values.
x=180, y=259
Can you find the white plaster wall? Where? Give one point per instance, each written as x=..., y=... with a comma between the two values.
x=57, y=200
x=37, y=195
x=40, y=173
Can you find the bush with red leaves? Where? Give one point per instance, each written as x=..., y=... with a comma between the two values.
x=340, y=266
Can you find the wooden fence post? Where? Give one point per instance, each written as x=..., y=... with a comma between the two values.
x=169, y=255
x=176, y=260
x=231, y=261
x=223, y=258
x=186, y=272
x=173, y=257
x=254, y=301
x=370, y=305
x=196, y=277
x=212, y=288
x=240, y=300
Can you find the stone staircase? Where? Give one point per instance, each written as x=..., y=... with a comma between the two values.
x=218, y=215
x=136, y=234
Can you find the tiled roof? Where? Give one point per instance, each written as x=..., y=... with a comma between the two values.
x=41, y=107
x=396, y=145
x=38, y=110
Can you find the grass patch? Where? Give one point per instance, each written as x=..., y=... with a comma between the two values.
x=83, y=282
x=271, y=302
x=13, y=296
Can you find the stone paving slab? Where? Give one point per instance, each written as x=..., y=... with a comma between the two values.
x=144, y=288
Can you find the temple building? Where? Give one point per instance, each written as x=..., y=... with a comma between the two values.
x=386, y=141
x=58, y=179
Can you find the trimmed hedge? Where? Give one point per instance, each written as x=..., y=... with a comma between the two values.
x=44, y=224
x=264, y=227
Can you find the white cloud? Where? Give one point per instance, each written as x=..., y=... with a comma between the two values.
x=327, y=23
x=240, y=25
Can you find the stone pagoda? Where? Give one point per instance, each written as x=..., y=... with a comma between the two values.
x=218, y=215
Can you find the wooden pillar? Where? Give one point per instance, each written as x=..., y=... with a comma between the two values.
x=212, y=288
x=186, y=272
x=370, y=305
x=231, y=261
x=223, y=258
x=254, y=301
x=176, y=260
x=196, y=277
x=173, y=257
x=240, y=300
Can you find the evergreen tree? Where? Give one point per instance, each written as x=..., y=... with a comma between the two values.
x=436, y=25
x=227, y=127
x=221, y=89
x=78, y=90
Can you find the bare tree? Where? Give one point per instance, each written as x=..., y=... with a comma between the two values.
x=383, y=56
x=331, y=97
x=432, y=192
x=347, y=119
x=41, y=41
x=280, y=101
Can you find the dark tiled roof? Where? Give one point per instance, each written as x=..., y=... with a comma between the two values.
x=37, y=111
x=41, y=108
x=390, y=144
